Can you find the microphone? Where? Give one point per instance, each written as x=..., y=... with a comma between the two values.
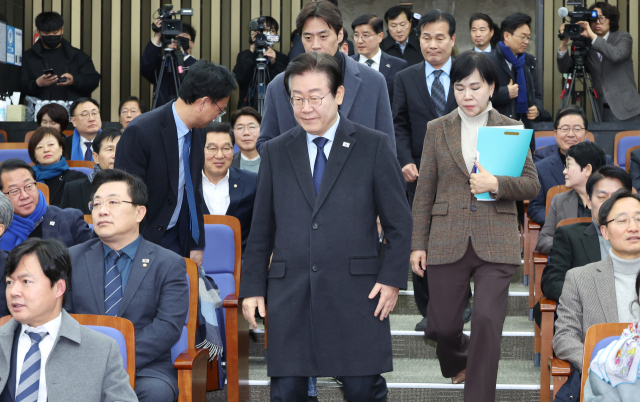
x=563, y=12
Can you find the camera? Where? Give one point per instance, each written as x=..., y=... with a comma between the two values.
x=572, y=30
x=263, y=41
x=171, y=26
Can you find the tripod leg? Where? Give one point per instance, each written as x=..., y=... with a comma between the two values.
x=156, y=93
x=594, y=106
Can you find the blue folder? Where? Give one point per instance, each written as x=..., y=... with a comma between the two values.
x=502, y=151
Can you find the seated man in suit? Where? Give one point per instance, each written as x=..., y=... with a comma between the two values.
x=602, y=291
x=85, y=116
x=368, y=33
x=583, y=160
x=148, y=286
x=634, y=168
x=401, y=41
x=47, y=354
x=246, y=129
x=366, y=101
x=77, y=194
x=32, y=216
x=226, y=190
x=6, y=218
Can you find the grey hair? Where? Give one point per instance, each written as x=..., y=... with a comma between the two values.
x=6, y=212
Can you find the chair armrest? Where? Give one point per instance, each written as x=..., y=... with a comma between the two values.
x=559, y=368
x=230, y=301
x=547, y=305
x=188, y=359
x=539, y=258
x=534, y=226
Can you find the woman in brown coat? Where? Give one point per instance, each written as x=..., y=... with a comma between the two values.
x=456, y=237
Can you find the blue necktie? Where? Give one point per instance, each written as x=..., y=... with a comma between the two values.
x=191, y=198
x=30, y=377
x=113, y=285
x=88, y=154
x=369, y=62
x=437, y=93
x=320, y=163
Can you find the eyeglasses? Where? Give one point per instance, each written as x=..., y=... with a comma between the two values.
x=364, y=36
x=240, y=129
x=222, y=112
x=624, y=220
x=85, y=115
x=602, y=19
x=575, y=129
x=15, y=193
x=314, y=101
x=214, y=150
x=525, y=39
x=112, y=203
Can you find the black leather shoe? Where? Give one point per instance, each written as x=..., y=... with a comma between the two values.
x=422, y=325
x=468, y=312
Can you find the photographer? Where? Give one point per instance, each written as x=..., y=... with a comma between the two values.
x=151, y=61
x=246, y=64
x=609, y=62
x=53, y=69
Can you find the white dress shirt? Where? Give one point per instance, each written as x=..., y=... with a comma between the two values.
x=313, y=149
x=83, y=147
x=487, y=50
x=216, y=196
x=376, y=60
x=46, y=345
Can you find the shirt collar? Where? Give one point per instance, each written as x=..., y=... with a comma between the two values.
x=130, y=249
x=606, y=36
x=376, y=58
x=180, y=126
x=487, y=50
x=205, y=178
x=52, y=327
x=329, y=135
x=249, y=160
x=428, y=69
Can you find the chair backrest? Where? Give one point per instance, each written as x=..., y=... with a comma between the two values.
x=553, y=191
x=187, y=339
x=571, y=221
x=4, y=320
x=627, y=158
x=546, y=138
x=85, y=167
x=622, y=142
x=67, y=132
x=222, y=258
x=120, y=329
x=45, y=190
x=9, y=150
x=594, y=334
x=4, y=133
x=88, y=219
x=28, y=136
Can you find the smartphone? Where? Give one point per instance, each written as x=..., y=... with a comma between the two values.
x=48, y=71
x=62, y=79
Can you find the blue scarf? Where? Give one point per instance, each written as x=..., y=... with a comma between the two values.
x=46, y=172
x=96, y=170
x=517, y=62
x=21, y=228
x=76, y=150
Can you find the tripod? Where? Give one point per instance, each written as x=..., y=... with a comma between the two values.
x=259, y=82
x=581, y=74
x=172, y=59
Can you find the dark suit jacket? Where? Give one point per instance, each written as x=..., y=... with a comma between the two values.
x=242, y=194
x=68, y=145
x=149, y=149
x=9, y=392
x=564, y=206
x=412, y=110
x=573, y=246
x=412, y=53
x=366, y=102
x=66, y=225
x=613, y=76
x=445, y=213
x=389, y=67
x=549, y=150
x=77, y=194
x=327, y=252
x=235, y=162
x=155, y=300
x=150, y=65
x=550, y=175
x=634, y=168
x=4, y=309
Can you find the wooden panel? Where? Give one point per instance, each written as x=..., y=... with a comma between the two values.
x=246, y=15
x=124, y=38
x=46, y=5
x=96, y=27
x=76, y=23
x=29, y=26
x=134, y=60
x=195, y=23
x=87, y=31
x=285, y=27
x=37, y=9
x=275, y=13
x=216, y=25
x=205, y=34
x=65, y=11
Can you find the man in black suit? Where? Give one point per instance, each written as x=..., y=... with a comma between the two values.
x=151, y=61
x=77, y=193
x=414, y=106
x=122, y=274
x=226, y=190
x=401, y=42
x=581, y=243
x=165, y=148
x=310, y=179
x=368, y=33
x=6, y=218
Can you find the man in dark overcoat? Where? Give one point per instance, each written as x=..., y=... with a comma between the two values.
x=321, y=186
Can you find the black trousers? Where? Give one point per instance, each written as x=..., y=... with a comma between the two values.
x=178, y=238
x=370, y=388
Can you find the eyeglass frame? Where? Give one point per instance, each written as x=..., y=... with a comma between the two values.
x=91, y=204
x=20, y=189
x=523, y=39
x=222, y=111
x=635, y=218
x=571, y=128
x=242, y=129
x=84, y=117
x=308, y=101
x=219, y=149
x=601, y=18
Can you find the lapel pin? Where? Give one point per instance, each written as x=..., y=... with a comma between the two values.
x=388, y=65
x=345, y=144
x=145, y=260
x=235, y=186
x=52, y=223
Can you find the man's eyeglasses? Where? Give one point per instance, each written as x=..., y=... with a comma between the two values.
x=575, y=129
x=15, y=193
x=111, y=204
x=624, y=220
x=314, y=101
x=525, y=39
x=214, y=150
x=222, y=112
x=601, y=19
x=241, y=129
x=85, y=115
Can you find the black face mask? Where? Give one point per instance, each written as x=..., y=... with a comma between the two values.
x=51, y=41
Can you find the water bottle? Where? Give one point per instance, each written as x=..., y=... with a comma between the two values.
x=3, y=109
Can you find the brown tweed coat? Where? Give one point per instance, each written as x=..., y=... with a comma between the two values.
x=446, y=214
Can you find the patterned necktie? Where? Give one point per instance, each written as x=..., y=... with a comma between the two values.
x=113, y=285
x=369, y=62
x=30, y=377
x=437, y=93
x=320, y=163
x=88, y=153
x=191, y=198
